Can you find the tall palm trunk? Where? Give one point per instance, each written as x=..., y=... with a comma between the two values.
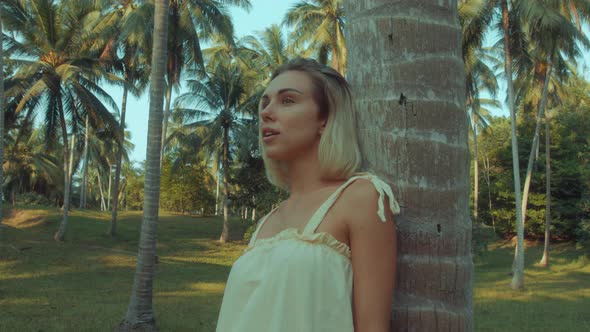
x=109, y=186
x=534, y=147
x=414, y=48
x=225, y=232
x=518, y=269
x=115, y=192
x=1, y=117
x=486, y=165
x=84, y=189
x=103, y=204
x=59, y=235
x=165, y=121
x=140, y=313
x=475, y=174
x=545, y=260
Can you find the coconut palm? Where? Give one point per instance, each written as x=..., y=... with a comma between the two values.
x=190, y=22
x=414, y=84
x=28, y=166
x=217, y=102
x=140, y=313
x=320, y=24
x=475, y=16
x=53, y=40
x=271, y=48
x=553, y=35
x=127, y=54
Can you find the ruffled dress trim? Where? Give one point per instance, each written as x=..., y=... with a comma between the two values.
x=318, y=238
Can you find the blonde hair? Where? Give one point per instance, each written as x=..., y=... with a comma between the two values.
x=339, y=154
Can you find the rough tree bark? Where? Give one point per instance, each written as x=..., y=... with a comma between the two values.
x=418, y=143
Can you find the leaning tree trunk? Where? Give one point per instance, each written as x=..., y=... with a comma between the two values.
x=518, y=269
x=475, y=175
x=1, y=118
x=84, y=189
x=110, y=184
x=140, y=313
x=59, y=235
x=115, y=191
x=225, y=232
x=103, y=205
x=534, y=149
x=165, y=122
x=545, y=260
x=420, y=145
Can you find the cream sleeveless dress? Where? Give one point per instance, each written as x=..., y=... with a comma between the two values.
x=295, y=282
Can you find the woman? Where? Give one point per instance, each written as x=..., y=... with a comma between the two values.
x=324, y=259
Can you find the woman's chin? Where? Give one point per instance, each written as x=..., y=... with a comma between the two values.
x=277, y=155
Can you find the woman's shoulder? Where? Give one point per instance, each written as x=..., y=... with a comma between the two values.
x=368, y=194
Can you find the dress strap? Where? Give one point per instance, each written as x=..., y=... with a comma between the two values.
x=260, y=224
x=382, y=188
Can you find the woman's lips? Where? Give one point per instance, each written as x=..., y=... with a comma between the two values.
x=270, y=138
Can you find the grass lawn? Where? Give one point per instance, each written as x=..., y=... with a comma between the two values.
x=555, y=299
x=84, y=283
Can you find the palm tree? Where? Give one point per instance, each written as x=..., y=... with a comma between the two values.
x=192, y=21
x=225, y=92
x=552, y=34
x=321, y=24
x=27, y=165
x=426, y=73
x=475, y=16
x=133, y=43
x=271, y=48
x=507, y=27
x=53, y=37
x=140, y=314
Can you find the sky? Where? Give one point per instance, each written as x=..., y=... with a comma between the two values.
x=263, y=14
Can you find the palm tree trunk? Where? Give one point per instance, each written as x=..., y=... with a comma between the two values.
x=534, y=148
x=217, y=194
x=84, y=189
x=59, y=235
x=475, y=174
x=416, y=51
x=529, y=171
x=1, y=117
x=486, y=164
x=518, y=270
x=545, y=260
x=225, y=232
x=109, y=187
x=165, y=121
x=103, y=205
x=140, y=313
x=115, y=192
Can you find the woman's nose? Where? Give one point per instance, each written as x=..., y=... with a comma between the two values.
x=267, y=112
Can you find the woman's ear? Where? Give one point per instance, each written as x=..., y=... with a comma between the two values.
x=323, y=127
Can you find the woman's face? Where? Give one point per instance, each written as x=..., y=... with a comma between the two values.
x=289, y=117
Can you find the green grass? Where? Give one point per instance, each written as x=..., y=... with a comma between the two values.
x=555, y=298
x=84, y=283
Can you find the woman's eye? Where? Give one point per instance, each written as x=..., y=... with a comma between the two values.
x=288, y=100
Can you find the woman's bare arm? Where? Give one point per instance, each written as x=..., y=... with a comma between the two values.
x=373, y=245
